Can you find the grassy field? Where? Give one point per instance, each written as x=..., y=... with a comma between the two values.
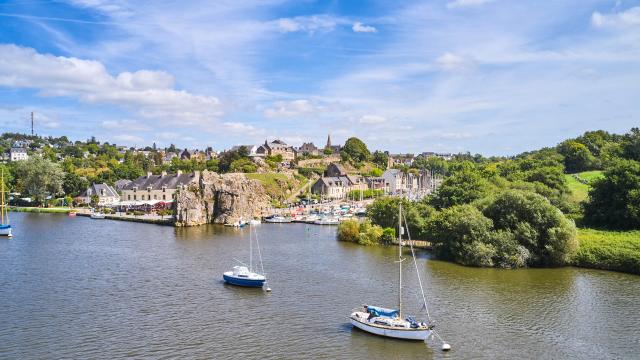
x=609, y=250
x=580, y=190
x=590, y=175
x=276, y=185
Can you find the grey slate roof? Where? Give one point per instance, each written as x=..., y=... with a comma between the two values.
x=96, y=189
x=157, y=182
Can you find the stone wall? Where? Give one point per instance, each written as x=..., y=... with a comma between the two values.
x=220, y=199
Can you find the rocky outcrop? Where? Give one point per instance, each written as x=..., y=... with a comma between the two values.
x=220, y=199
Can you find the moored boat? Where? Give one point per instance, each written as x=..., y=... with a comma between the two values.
x=5, y=227
x=327, y=221
x=391, y=322
x=97, y=216
x=244, y=275
x=277, y=219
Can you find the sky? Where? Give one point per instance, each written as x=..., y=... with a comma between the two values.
x=495, y=77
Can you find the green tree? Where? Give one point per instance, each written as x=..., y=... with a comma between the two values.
x=631, y=145
x=356, y=150
x=39, y=177
x=463, y=187
x=458, y=232
x=577, y=156
x=74, y=185
x=380, y=158
x=243, y=165
x=614, y=200
x=541, y=228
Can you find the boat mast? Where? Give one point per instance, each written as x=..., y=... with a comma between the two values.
x=2, y=210
x=400, y=259
x=250, y=252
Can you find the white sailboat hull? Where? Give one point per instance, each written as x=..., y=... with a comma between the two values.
x=401, y=333
x=5, y=231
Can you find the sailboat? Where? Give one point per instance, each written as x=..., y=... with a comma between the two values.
x=5, y=227
x=243, y=275
x=391, y=322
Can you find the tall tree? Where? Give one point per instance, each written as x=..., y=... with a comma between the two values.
x=39, y=177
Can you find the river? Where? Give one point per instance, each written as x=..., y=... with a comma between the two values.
x=102, y=289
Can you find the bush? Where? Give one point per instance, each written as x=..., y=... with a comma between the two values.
x=537, y=225
x=614, y=201
x=609, y=250
x=363, y=233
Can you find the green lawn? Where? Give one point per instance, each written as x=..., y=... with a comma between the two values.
x=590, y=175
x=275, y=184
x=580, y=190
x=609, y=250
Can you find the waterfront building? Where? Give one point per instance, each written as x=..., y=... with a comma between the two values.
x=413, y=184
x=157, y=187
x=105, y=193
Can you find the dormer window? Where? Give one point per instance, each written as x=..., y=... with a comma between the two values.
x=149, y=188
x=164, y=189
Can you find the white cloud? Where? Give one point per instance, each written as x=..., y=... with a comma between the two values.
x=124, y=125
x=291, y=108
x=148, y=93
x=630, y=17
x=466, y=3
x=131, y=139
x=372, y=119
x=310, y=24
x=449, y=61
x=361, y=28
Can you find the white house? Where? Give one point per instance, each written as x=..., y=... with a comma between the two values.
x=17, y=154
x=106, y=195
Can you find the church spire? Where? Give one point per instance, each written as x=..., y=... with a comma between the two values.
x=328, y=142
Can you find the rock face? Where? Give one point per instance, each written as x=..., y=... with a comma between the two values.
x=220, y=199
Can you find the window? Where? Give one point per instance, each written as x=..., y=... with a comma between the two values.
x=134, y=197
x=128, y=197
x=164, y=197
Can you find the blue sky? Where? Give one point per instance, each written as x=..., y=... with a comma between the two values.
x=495, y=77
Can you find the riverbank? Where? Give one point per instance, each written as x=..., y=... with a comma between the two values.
x=54, y=210
x=609, y=250
x=147, y=219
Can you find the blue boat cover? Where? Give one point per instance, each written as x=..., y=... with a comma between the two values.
x=3, y=226
x=380, y=311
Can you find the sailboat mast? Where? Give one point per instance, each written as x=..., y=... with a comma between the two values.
x=400, y=260
x=250, y=251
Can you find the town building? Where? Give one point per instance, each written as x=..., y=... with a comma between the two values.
x=429, y=154
x=157, y=187
x=18, y=153
x=105, y=193
x=335, y=149
x=277, y=147
x=308, y=149
x=400, y=160
x=414, y=184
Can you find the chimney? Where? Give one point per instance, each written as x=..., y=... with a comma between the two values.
x=179, y=173
x=149, y=174
x=164, y=173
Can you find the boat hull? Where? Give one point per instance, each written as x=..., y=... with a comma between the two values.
x=243, y=281
x=404, y=334
x=5, y=230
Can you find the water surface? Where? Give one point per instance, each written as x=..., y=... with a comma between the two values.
x=101, y=289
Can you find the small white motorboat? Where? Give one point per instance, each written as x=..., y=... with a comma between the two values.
x=277, y=219
x=255, y=222
x=97, y=216
x=327, y=221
